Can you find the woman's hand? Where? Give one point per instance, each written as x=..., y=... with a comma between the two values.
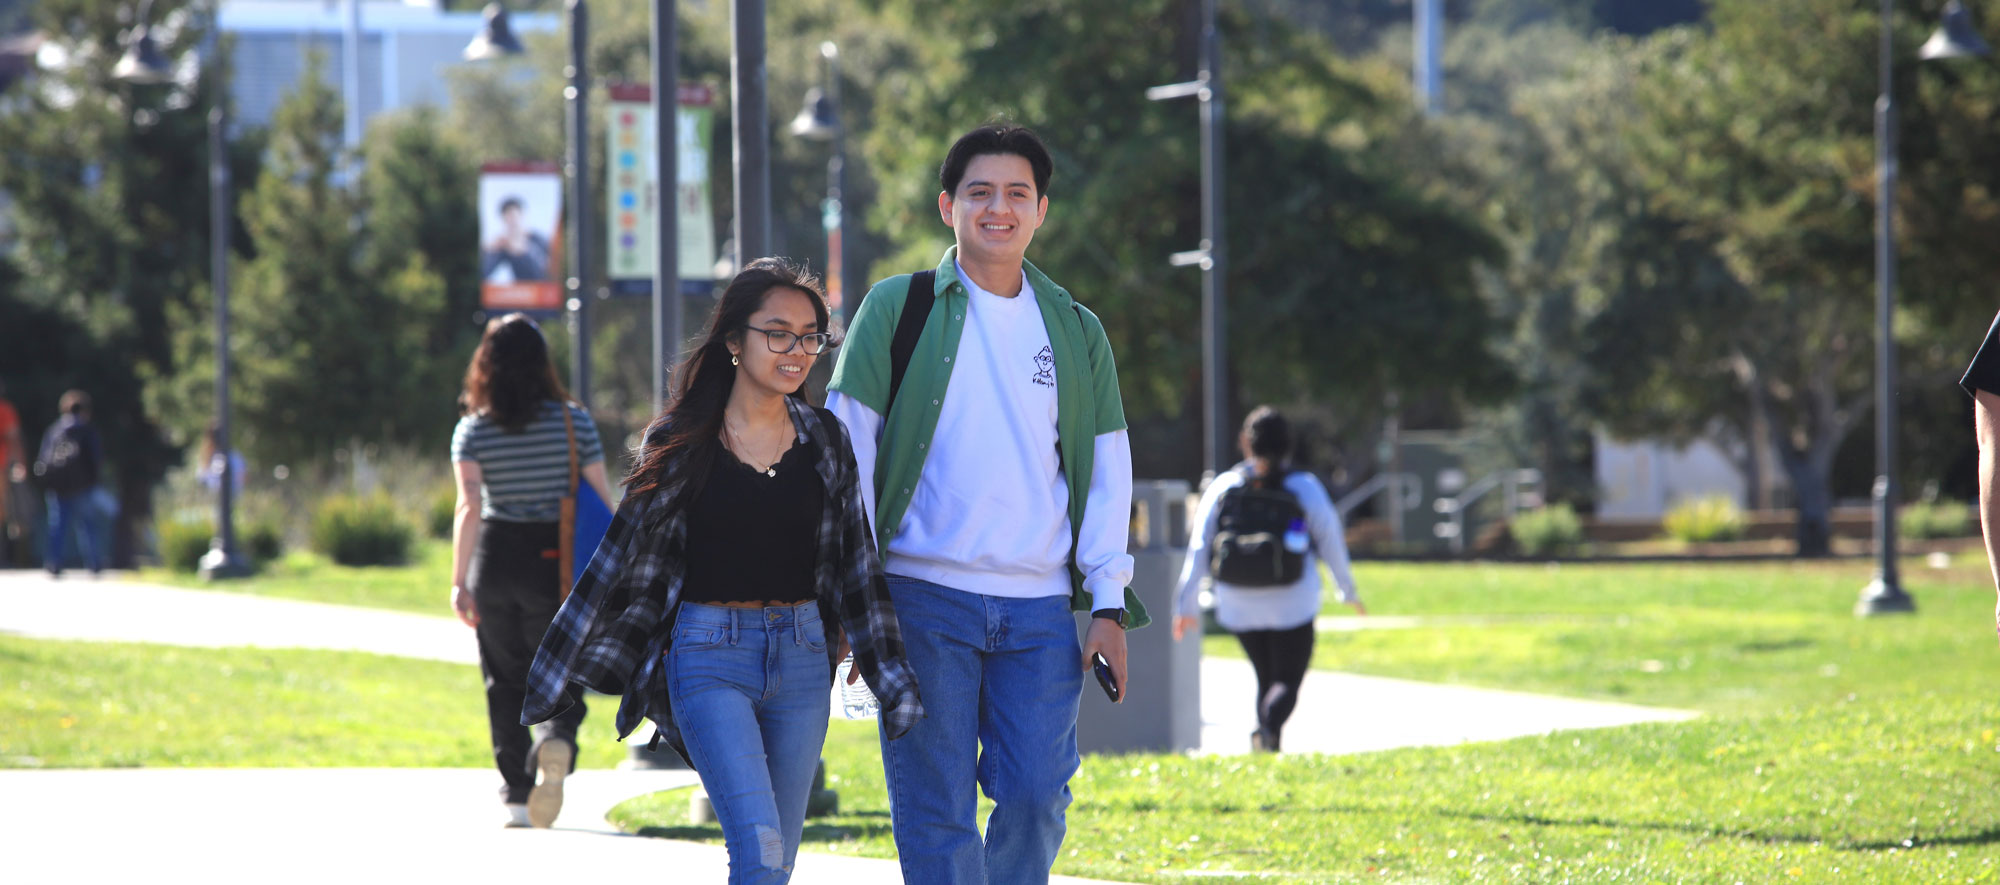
x=463, y=603
x=1184, y=623
x=854, y=672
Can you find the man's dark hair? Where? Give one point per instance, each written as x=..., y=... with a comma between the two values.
x=996, y=139
x=1268, y=434
x=510, y=203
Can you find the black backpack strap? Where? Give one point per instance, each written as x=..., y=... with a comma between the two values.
x=909, y=326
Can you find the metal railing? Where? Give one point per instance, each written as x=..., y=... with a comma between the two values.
x=1509, y=481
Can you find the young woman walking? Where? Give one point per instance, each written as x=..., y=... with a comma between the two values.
x=511, y=455
x=737, y=571
x=1270, y=605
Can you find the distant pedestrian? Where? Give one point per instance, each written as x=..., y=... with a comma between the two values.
x=510, y=453
x=738, y=570
x=1982, y=382
x=12, y=470
x=69, y=466
x=212, y=464
x=1262, y=529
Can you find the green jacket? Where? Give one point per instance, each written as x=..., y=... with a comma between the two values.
x=1087, y=402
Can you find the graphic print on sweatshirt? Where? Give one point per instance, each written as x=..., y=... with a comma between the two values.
x=1045, y=368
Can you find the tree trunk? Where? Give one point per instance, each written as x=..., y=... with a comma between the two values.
x=1813, y=498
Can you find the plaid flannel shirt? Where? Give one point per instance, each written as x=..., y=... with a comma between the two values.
x=617, y=624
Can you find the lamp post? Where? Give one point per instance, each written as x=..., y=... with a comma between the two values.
x=750, y=130
x=142, y=63
x=497, y=40
x=1955, y=38
x=819, y=120
x=1211, y=256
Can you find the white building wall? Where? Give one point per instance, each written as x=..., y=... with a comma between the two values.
x=1642, y=479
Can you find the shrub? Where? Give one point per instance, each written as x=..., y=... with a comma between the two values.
x=1547, y=531
x=1708, y=518
x=361, y=531
x=263, y=540
x=183, y=542
x=1935, y=519
x=444, y=511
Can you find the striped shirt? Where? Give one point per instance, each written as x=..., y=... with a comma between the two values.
x=524, y=476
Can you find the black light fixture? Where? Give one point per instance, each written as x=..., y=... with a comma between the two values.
x=1955, y=37
x=816, y=121
x=496, y=39
x=142, y=63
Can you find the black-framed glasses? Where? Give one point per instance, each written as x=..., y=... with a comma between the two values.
x=815, y=343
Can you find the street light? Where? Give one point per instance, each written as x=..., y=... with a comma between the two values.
x=1955, y=38
x=1207, y=87
x=143, y=64
x=496, y=40
x=819, y=120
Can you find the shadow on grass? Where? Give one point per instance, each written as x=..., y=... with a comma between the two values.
x=862, y=825
x=1988, y=836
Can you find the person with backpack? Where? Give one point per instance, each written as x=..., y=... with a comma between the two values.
x=1262, y=530
x=984, y=407
x=71, y=458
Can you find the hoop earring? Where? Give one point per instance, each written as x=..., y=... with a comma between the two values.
x=732, y=360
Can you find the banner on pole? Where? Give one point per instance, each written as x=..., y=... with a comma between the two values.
x=520, y=236
x=633, y=169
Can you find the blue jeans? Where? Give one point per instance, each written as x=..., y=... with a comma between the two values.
x=750, y=690
x=76, y=514
x=1001, y=680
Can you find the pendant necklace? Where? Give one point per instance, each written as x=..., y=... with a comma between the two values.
x=771, y=470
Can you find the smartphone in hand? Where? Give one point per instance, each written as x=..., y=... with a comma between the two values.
x=1103, y=670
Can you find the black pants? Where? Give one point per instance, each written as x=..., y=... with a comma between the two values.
x=513, y=577
x=1280, y=658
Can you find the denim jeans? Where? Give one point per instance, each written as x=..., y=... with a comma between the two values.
x=750, y=690
x=1001, y=680
x=73, y=514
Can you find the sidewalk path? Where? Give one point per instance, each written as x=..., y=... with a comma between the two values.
x=438, y=824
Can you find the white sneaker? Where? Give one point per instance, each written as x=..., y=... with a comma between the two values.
x=545, y=800
x=517, y=817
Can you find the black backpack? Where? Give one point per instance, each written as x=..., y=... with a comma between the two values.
x=1249, y=549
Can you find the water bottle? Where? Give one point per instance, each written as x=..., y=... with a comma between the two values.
x=1295, y=536
x=856, y=701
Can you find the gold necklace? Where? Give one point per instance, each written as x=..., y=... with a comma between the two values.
x=770, y=467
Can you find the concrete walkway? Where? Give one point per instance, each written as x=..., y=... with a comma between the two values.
x=407, y=824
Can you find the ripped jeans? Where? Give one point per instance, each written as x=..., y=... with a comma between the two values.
x=750, y=693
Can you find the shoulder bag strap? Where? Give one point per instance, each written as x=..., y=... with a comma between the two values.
x=909, y=327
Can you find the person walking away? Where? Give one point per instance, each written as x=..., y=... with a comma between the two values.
x=510, y=453
x=69, y=467
x=738, y=570
x=1261, y=531
x=984, y=407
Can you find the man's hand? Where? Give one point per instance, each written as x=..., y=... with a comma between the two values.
x=462, y=602
x=1359, y=609
x=1184, y=623
x=1107, y=638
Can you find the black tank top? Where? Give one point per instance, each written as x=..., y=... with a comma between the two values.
x=752, y=537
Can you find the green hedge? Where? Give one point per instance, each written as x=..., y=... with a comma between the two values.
x=183, y=542
x=1925, y=520
x=361, y=531
x=444, y=511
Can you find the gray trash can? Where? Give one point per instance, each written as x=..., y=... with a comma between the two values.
x=1162, y=710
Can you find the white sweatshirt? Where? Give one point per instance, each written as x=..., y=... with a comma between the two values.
x=1267, y=608
x=990, y=514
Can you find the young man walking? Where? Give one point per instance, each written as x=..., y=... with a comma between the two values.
x=992, y=437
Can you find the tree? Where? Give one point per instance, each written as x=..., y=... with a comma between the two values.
x=1330, y=233
x=1756, y=142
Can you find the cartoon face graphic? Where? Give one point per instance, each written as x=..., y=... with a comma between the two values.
x=1045, y=368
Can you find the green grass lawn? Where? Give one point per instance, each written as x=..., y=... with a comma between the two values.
x=108, y=705
x=423, y=586
x=1840, y=749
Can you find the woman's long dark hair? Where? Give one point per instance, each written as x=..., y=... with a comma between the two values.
x=691, y=423
x=510, y=375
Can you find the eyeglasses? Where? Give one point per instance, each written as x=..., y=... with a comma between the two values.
x=815, y=343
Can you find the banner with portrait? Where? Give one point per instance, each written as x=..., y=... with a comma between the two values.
x=520, y=237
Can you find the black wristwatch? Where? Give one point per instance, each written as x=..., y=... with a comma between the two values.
x=1115, y=615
